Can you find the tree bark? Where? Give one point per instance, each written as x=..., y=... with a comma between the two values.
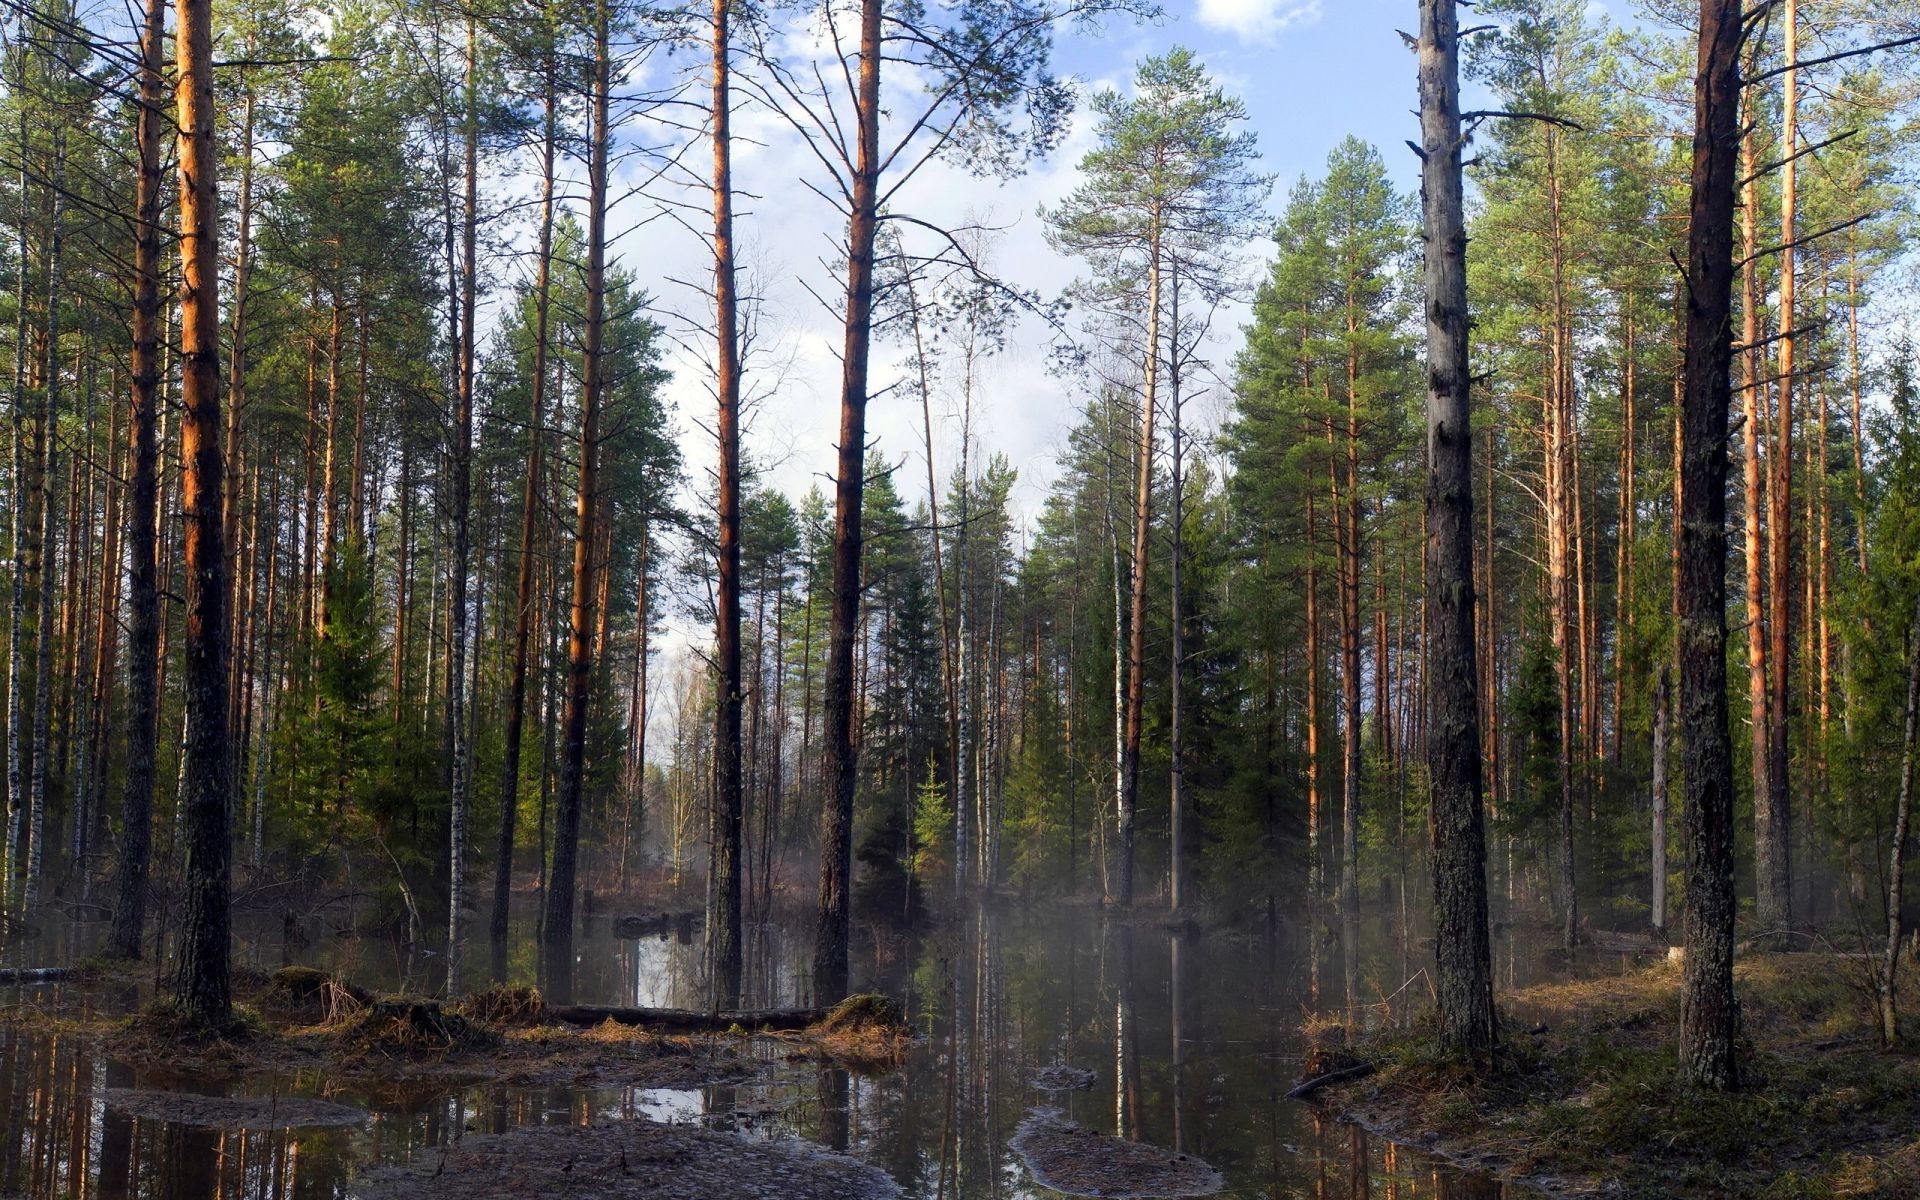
x=143, y=598
x=462, y=464
x=529, y=524
x=1710, y=1012
x=558, y=933
x=1137, y=595
x=1753, y=393
x=1897, y=856
x=1662, y=749
x=830, y=954
x=202, y=984
x=1773, y=906
x=1463, y=957
x=723, y=927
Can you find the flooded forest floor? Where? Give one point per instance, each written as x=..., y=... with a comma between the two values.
x=304, y=1019
x=1586, y=1099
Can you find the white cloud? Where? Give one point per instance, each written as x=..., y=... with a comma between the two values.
x=1257, y=20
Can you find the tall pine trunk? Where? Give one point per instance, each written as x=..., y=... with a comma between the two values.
x=1710, y=1012
x=558, y=933
x=462, y=464
x=830, y=953
x=1773, y=834
x=143, y=600
x=723, y=925
x=529, y=524
x=1463, y=956
x=202, y=983
x=1137, y=595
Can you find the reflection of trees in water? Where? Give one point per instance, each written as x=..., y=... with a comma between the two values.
x=61, y=1142
x=1126, y=1042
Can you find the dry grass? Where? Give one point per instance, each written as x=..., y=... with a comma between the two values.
x=1586, y=1090
x=867, y=1032
x=505, y=1006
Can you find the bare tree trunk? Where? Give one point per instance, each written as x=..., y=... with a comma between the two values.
x=143, y=600
x=830, y=954
x=1752, y=398
x=15, y=810
x=723, y=925
x=1316, y=805
x=1710, y=1012
x=558, y=933
x=1773, y=906
x=43, y=681
x=529, y=523
x=203, y=984
x=1463, y=956
x=1137, y=597
x=1176, y=666
x=462, y=465
x=1662, y=749
x=1897, y=864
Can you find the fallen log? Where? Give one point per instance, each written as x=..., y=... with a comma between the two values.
x=1309, y=1086
x=14, y=975
x=687, y=1020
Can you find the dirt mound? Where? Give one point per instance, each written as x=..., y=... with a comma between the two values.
x=310, y=996
x=863, y=1013
x=411, y=1026
x=230, y=1112
x=505, y=1006
x=627, y=1160
x=1080, y=1162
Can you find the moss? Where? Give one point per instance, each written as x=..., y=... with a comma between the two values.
x=1587, y=1087
x=164, y=1020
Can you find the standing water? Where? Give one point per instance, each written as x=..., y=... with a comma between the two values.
x=1175, y=1039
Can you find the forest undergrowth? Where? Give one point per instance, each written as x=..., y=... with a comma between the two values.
x=1585, y=1100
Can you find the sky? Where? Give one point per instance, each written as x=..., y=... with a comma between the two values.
x=1310, y=72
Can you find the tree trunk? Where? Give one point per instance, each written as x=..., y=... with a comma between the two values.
x=529, y=524
x=1176, y=664
x=462, y=464
x=1463, y=956
x=203, y=984
x=1710, y=1012
x=723, y=925
x=558, y=933
x=1752, y=399
x=1897, y=856
x=143, y=600
x=1662, y=749
x=1773, y=906
x=830, y=969
x=1137, y=597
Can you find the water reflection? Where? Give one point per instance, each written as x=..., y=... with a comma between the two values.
x=1191, y=1041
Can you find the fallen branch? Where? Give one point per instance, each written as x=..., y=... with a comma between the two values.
x=13, y=975
x=689, y=1020
x=1308, y=1087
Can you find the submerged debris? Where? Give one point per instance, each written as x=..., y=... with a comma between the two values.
x=1080, y=1162
x=1059, y=1078
x=230, y=1112
x=627, y=1160
x=652, y=924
